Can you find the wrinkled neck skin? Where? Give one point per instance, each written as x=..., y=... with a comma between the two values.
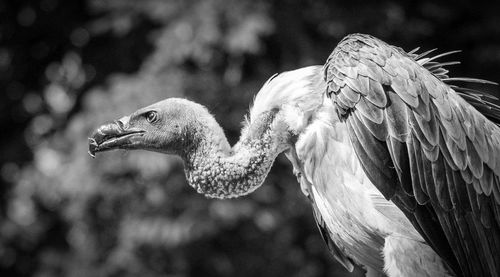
x=216, y=170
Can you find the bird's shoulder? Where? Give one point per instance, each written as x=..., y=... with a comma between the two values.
x=300, y=90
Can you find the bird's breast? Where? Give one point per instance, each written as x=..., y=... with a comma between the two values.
x=341, y=191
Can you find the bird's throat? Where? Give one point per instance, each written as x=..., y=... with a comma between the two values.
x=220, y=172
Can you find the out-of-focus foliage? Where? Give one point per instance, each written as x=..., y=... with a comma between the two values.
x=68, y=66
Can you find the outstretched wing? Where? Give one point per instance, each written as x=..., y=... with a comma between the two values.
x=424, y=147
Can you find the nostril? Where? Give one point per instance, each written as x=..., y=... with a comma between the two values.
x=120, y=124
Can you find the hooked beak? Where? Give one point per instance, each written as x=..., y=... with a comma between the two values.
x=113, y=135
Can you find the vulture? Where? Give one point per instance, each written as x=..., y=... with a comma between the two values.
x=401, y=166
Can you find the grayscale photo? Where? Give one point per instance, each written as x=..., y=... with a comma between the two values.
x=221, y=138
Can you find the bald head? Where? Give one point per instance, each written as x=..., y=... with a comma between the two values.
x=168, y=126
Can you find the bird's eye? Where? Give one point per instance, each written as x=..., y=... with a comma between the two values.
x=151, y=116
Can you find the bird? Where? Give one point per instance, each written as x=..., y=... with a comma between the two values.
x=400, y=164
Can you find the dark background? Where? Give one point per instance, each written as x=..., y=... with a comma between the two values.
x=68, y=66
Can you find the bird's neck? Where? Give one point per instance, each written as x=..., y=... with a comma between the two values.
x=216, y=170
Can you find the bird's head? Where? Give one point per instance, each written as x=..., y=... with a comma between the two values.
x=165, y=126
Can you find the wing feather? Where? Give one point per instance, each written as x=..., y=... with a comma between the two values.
x=418, y=179
x=423, y=146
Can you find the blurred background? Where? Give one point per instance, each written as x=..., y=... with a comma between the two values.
x=68, y=66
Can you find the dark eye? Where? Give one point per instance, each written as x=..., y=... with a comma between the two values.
x=151, y=116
